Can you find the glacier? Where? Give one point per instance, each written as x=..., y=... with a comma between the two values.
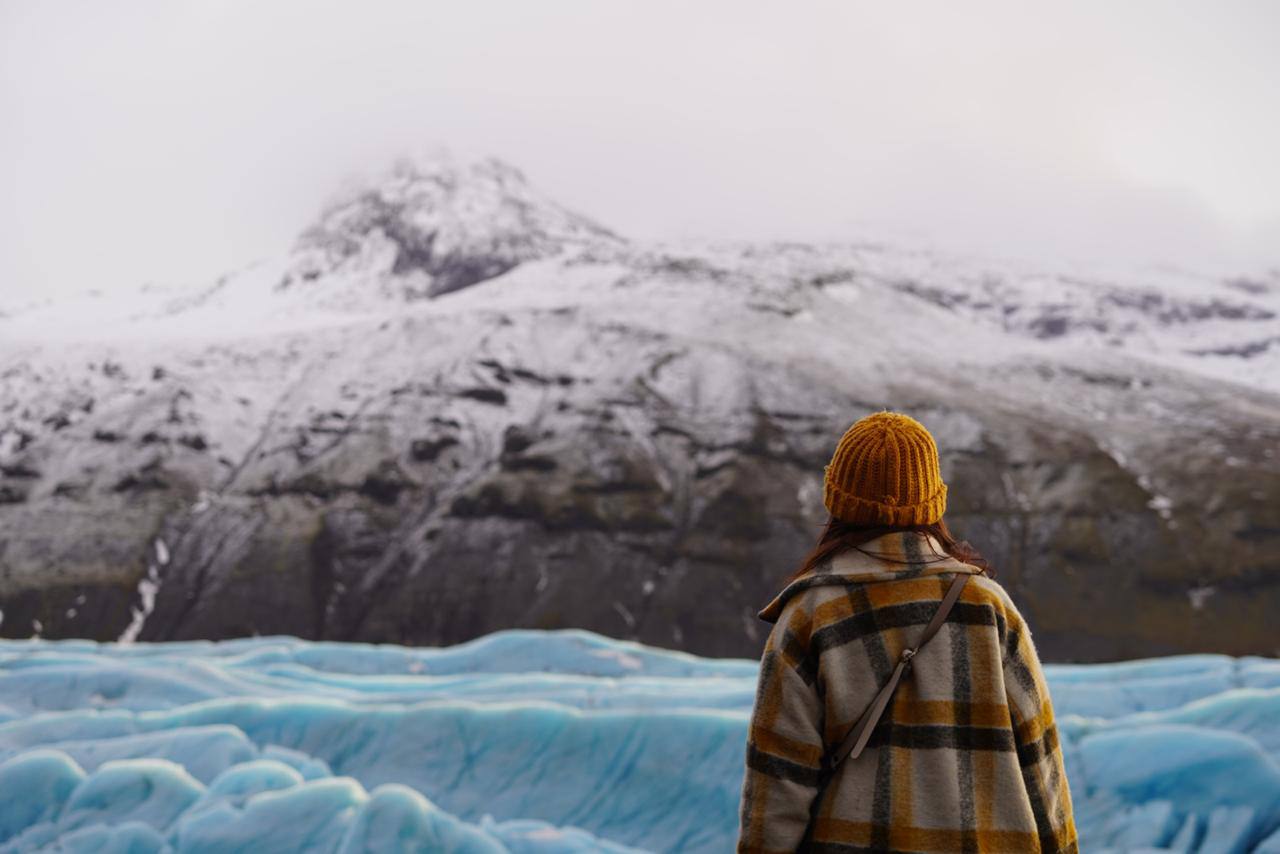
x=538, y=741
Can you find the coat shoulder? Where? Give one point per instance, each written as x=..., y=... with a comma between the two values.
x=824, y=602
x=986, y=589
x=989, y=592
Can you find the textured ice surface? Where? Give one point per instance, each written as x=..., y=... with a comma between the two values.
x=528, y=741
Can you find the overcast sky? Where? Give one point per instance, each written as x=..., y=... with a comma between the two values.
x=171, y=141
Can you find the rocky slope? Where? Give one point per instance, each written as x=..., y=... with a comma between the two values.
x=455, y=407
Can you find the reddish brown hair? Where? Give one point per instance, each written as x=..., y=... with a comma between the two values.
x=839, y=536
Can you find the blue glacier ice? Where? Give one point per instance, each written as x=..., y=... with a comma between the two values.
x=533, y=741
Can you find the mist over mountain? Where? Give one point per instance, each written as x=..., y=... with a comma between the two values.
x=453, y=406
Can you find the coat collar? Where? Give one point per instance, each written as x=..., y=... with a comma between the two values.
x=923, y=555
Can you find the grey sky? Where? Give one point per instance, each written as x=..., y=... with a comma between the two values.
x=171, y=141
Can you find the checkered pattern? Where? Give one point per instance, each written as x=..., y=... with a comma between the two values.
x=965, y=759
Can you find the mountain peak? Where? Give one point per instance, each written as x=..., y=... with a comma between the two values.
x=433, y=224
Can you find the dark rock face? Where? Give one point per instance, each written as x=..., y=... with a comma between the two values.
x=415, y=516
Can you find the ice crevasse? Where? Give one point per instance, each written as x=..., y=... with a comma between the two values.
x=538, y=741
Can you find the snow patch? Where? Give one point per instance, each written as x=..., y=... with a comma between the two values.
x=1162, y=504
x=148, y=587
x=626, y=614
x=1198, y=595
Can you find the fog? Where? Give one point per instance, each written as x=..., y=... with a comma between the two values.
x=169, y=142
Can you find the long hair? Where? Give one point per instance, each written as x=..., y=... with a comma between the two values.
x=839, y=536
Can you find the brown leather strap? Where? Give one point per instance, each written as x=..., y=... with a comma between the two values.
x=860, y=733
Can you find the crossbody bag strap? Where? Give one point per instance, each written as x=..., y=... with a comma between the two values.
x=860, y=733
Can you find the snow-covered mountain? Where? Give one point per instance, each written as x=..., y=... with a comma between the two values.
x=454, y=406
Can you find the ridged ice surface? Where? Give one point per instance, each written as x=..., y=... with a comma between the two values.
x=528, y=741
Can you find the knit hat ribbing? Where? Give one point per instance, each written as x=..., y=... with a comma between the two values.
x=885, y=472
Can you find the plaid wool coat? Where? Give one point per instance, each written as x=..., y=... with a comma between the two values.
x=966, y=757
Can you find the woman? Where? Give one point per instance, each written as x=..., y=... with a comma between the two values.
x=965, y=756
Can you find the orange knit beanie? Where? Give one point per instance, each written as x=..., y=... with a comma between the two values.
x=885, y=472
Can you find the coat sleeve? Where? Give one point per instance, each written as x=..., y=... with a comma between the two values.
x=784, y=741
x=1036, y=737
